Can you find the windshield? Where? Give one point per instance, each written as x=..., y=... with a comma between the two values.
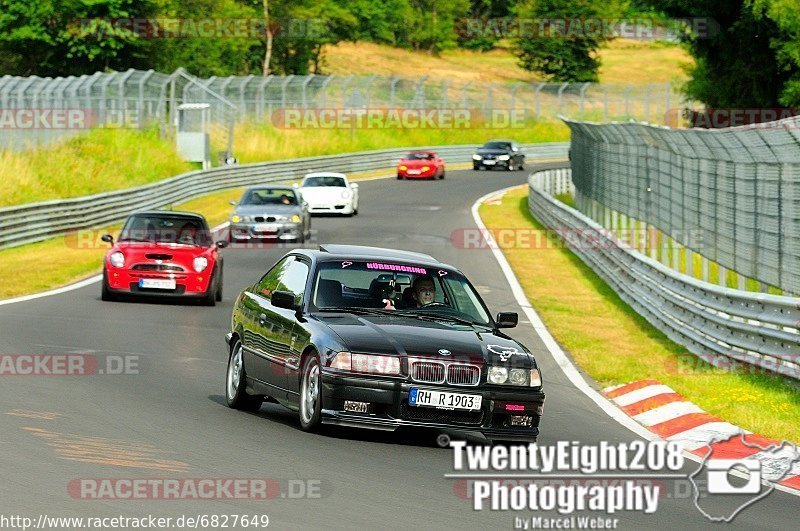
x=497, y=145
x=313, y=182
x=166, y=228
x=419, y=156
x=269, y=196
x=414, y=290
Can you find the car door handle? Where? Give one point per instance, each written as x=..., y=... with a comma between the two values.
x=262, y=319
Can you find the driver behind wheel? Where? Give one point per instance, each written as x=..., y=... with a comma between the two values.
x=423, y=290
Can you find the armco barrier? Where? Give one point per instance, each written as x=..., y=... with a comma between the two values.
x=39, y=221
x=711, y=321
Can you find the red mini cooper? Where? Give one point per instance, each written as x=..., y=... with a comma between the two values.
x=163, y=253
x=420, y=165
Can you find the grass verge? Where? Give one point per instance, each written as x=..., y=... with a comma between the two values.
x=615, y=345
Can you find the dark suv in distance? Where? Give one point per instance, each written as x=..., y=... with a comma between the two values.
x=505, y=154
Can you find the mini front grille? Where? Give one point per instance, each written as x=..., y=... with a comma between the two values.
x=429, y=372
x=437, y=372
x=157, y=267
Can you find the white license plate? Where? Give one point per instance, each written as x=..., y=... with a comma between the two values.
x=266, y=227
x=156, y=283
x=443, y=399
x=489, y=162
x=414, y=172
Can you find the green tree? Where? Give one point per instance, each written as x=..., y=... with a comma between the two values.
x=750, y=60
x=69, y=37
x=206, y=56
x=559, y=41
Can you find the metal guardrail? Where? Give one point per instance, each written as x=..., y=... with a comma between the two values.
x=709, y=320
x=38, y=221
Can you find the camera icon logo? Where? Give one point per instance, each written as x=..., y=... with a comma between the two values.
x=719, y=476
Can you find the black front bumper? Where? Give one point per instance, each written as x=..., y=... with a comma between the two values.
x=389, y=408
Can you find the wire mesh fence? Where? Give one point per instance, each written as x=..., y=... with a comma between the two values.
x=37, y=111
x=737, y=188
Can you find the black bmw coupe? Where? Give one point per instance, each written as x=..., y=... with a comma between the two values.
x=379, y=338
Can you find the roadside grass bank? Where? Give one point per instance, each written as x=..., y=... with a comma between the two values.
x=104, y=160
x=615, y=345
x=59, y=261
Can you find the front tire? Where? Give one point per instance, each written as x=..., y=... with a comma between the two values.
x=236, y=382
x=311, y=395
x=105, y=292
x=218, y=295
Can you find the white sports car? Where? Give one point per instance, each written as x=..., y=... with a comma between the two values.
x=330, y=193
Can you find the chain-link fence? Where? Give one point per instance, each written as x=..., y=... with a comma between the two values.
x=36, y=111
x=731, y=196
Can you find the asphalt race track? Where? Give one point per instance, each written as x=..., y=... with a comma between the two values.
x=170, y=420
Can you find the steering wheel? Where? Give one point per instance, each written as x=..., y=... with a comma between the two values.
x=434, y=304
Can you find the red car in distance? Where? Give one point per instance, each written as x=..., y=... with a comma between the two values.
x=420, y=165
x=163, y=254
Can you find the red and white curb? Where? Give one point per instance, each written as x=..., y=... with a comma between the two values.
x=670, y=416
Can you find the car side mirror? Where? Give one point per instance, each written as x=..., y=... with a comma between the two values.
x=354, y=186
x=109, y=239
x=221, y=244
x=283, y=299
x=507, y=319
x=234, y=203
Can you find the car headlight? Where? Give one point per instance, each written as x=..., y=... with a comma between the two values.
x=296, y=218
x=236, y=219
x=404, y=167
x=476, y=157
x=426, y=168
x=200, y=264
x=347, y=194
x=367, y=363
x=117, y=259
x=518, y=377
x=503, y=157
x=497, y=375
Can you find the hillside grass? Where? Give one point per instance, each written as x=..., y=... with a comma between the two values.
x=623, y=61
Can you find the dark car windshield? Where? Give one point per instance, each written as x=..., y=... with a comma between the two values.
x=269, y=196
x=390, y=286
x=419, y=156
x=328, y=180
x=497, y=145
x=166, y=228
